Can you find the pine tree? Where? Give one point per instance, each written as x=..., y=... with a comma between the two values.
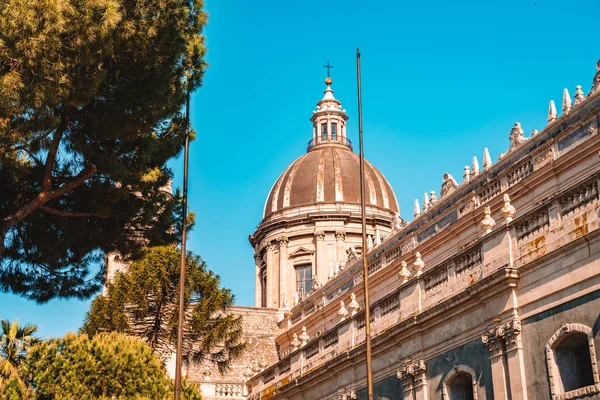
x=107, y=366
x=90, y=100
x=143, y=302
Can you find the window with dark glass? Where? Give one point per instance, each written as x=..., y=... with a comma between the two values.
x=574, y=363
x=324, y=131
x=303, y=279
x=333, y=131
x=461, y=387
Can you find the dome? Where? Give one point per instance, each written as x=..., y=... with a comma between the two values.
x=329, y=174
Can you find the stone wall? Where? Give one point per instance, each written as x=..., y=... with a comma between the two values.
x=538, y=329
x=260, y=328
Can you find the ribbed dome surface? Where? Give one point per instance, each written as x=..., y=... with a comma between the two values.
x=329, y=174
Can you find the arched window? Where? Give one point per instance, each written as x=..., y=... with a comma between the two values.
x=571, y=360
x=460, y=384
x=324, y=131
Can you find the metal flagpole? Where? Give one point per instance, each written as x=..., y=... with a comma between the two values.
x=178, y=359
x=364, y=236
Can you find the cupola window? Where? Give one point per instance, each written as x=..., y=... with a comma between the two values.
x=324, y=131
x=333, y=131
x=303, y=280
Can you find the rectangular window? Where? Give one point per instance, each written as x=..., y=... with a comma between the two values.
x=324, y=131
x=303, y=279
x=333, y=131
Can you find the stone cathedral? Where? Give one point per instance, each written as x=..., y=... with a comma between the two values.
x=492, y=291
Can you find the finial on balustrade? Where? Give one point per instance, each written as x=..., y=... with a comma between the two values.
x=296, y=298
x=425, y=202
x=488, y=222
x=353, y=306
x=567, y=104
x=467, y=174
x=552, y=111
x=418, y=265
x=416, y=209
x=534, y=132
x=369, y=242
x=579, y=95
x=487, y=160
x=475, y=166
x=342, y=312
x=377, y=237
x=432, y=198
x=507, y=211
x=404, y=273
x=295, y=342
x=303, y=337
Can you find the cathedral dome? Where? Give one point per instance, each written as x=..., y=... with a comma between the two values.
x=330, y=171
x=329, y=174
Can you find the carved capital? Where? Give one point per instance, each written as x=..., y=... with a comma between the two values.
x=283, y=241
x=270, y=246
x=508, y=332
x=320, y=235
x=413, y=374
x=340, y=234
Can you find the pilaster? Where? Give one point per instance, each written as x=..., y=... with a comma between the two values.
x=507, y=335
x=257, y=281
x=284, y=298
x=272, y=286
x=515, y=359
x=320, y=269
x=340, y=237
x=414, y=380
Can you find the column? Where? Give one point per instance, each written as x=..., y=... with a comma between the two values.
x=257, y=281
x=284, y=296
x=493, y=339
x=319, y=269
x=272, y=286
x=340, y=236
x=515, y=360
x=420, y=385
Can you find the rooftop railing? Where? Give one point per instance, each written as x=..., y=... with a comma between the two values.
x=340, y=140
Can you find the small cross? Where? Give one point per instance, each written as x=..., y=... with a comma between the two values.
x=328, y=68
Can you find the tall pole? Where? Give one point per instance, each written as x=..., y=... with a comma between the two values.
x=179, y=354
x=364, y=236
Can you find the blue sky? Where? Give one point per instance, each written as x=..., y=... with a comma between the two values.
x=441, y=81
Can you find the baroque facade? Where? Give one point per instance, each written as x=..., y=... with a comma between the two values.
x=491, y=292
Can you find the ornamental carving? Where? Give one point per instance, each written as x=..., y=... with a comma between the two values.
x=543, y=159
x=270, y=246
x=448, y=186
x=283, y=241
x=340, y=235
x=413, y=374
x=516, y=136
x=319, y=235
x=508, y=332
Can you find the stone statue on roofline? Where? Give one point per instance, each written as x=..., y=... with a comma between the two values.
x=352, y=254
x=449, y=185
x=516, y=136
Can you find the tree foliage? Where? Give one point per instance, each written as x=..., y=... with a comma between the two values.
x=143, y=302
x=90, y=100
x=15, y=341
x=107, y=366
